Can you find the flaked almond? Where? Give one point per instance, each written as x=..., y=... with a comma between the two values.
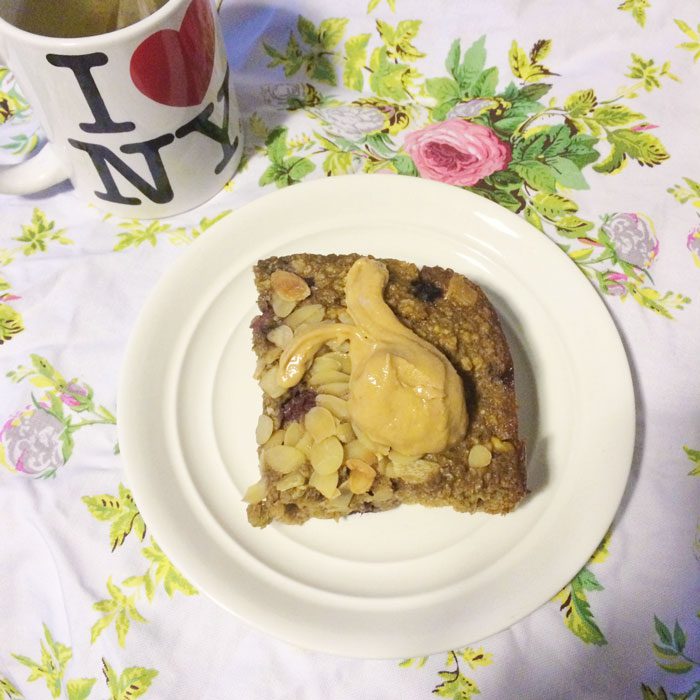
x=282, y=307
x=339, y=389
x=337, y=406
x=341, y=502
x=357, y=450
x=479, y=457
x=326, y=362
x=255, y=493
x=264, y=429
x=501, y=446
x=345, y=433
x=361, y=475
x=326, y=484
x=280, y=336
x=416, y=472
x=310, y=313
x=326, y=376
x=275, y=439
x=268, y=383
x=283, y=458
x=289, y=286
x=290, y=481
x=305, y=444
x=320, y=423
x=461, y=292
x=293, y=434
x=327, y=455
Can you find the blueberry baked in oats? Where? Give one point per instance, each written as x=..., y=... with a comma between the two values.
x=383, y=384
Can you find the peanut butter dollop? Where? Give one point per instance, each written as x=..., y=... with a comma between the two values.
x=404, y=393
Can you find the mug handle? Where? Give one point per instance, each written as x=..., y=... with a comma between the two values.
x=34, y=175
x=39, y=172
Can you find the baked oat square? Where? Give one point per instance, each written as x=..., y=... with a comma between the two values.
x=382, y=384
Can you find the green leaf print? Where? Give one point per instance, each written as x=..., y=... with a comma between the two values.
x=694, y=36
x=35, y=238
x=11, y=322
x=355, y=60
x=132, y=683
x=669, y=650
x=399, y=40
x=690, y=192
x=284, y=170
x=166, y=573
x=54, y=658
x=121, y=511
x=647, y=75
x=79, y=688
x=528, y=67
x=39, y=233
x=389, y=79
x=454, y=684
x=637, y=8
x=649, y=694
x=574, y=601
x=316, y=58
x=118, y=608
x=136, y=232
x=8, y=691
x=374, y=3
x=693, y=456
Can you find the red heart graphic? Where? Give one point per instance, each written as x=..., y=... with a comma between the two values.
x=174, y=67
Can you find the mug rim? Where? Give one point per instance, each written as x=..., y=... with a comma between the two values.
x=110, y=38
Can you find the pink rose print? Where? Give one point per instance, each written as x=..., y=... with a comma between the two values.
x=30, y=442
x=615, y=284
x=633, y=238
x=457, y=152
x=75, y=395
x=694, y=244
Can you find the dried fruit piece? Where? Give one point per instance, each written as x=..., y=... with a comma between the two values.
x=289, y=286
x=425, y=290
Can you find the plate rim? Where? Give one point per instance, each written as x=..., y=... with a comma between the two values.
x=299, y=193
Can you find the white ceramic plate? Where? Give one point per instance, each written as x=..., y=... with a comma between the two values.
x=412, y=581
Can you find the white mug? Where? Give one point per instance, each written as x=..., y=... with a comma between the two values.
x=143, y=120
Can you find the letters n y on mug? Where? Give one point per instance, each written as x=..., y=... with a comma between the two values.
x=143, y=120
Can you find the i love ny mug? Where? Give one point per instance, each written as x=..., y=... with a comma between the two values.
x=143, y=120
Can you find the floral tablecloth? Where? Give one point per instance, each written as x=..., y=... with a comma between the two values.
x=580, y=117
